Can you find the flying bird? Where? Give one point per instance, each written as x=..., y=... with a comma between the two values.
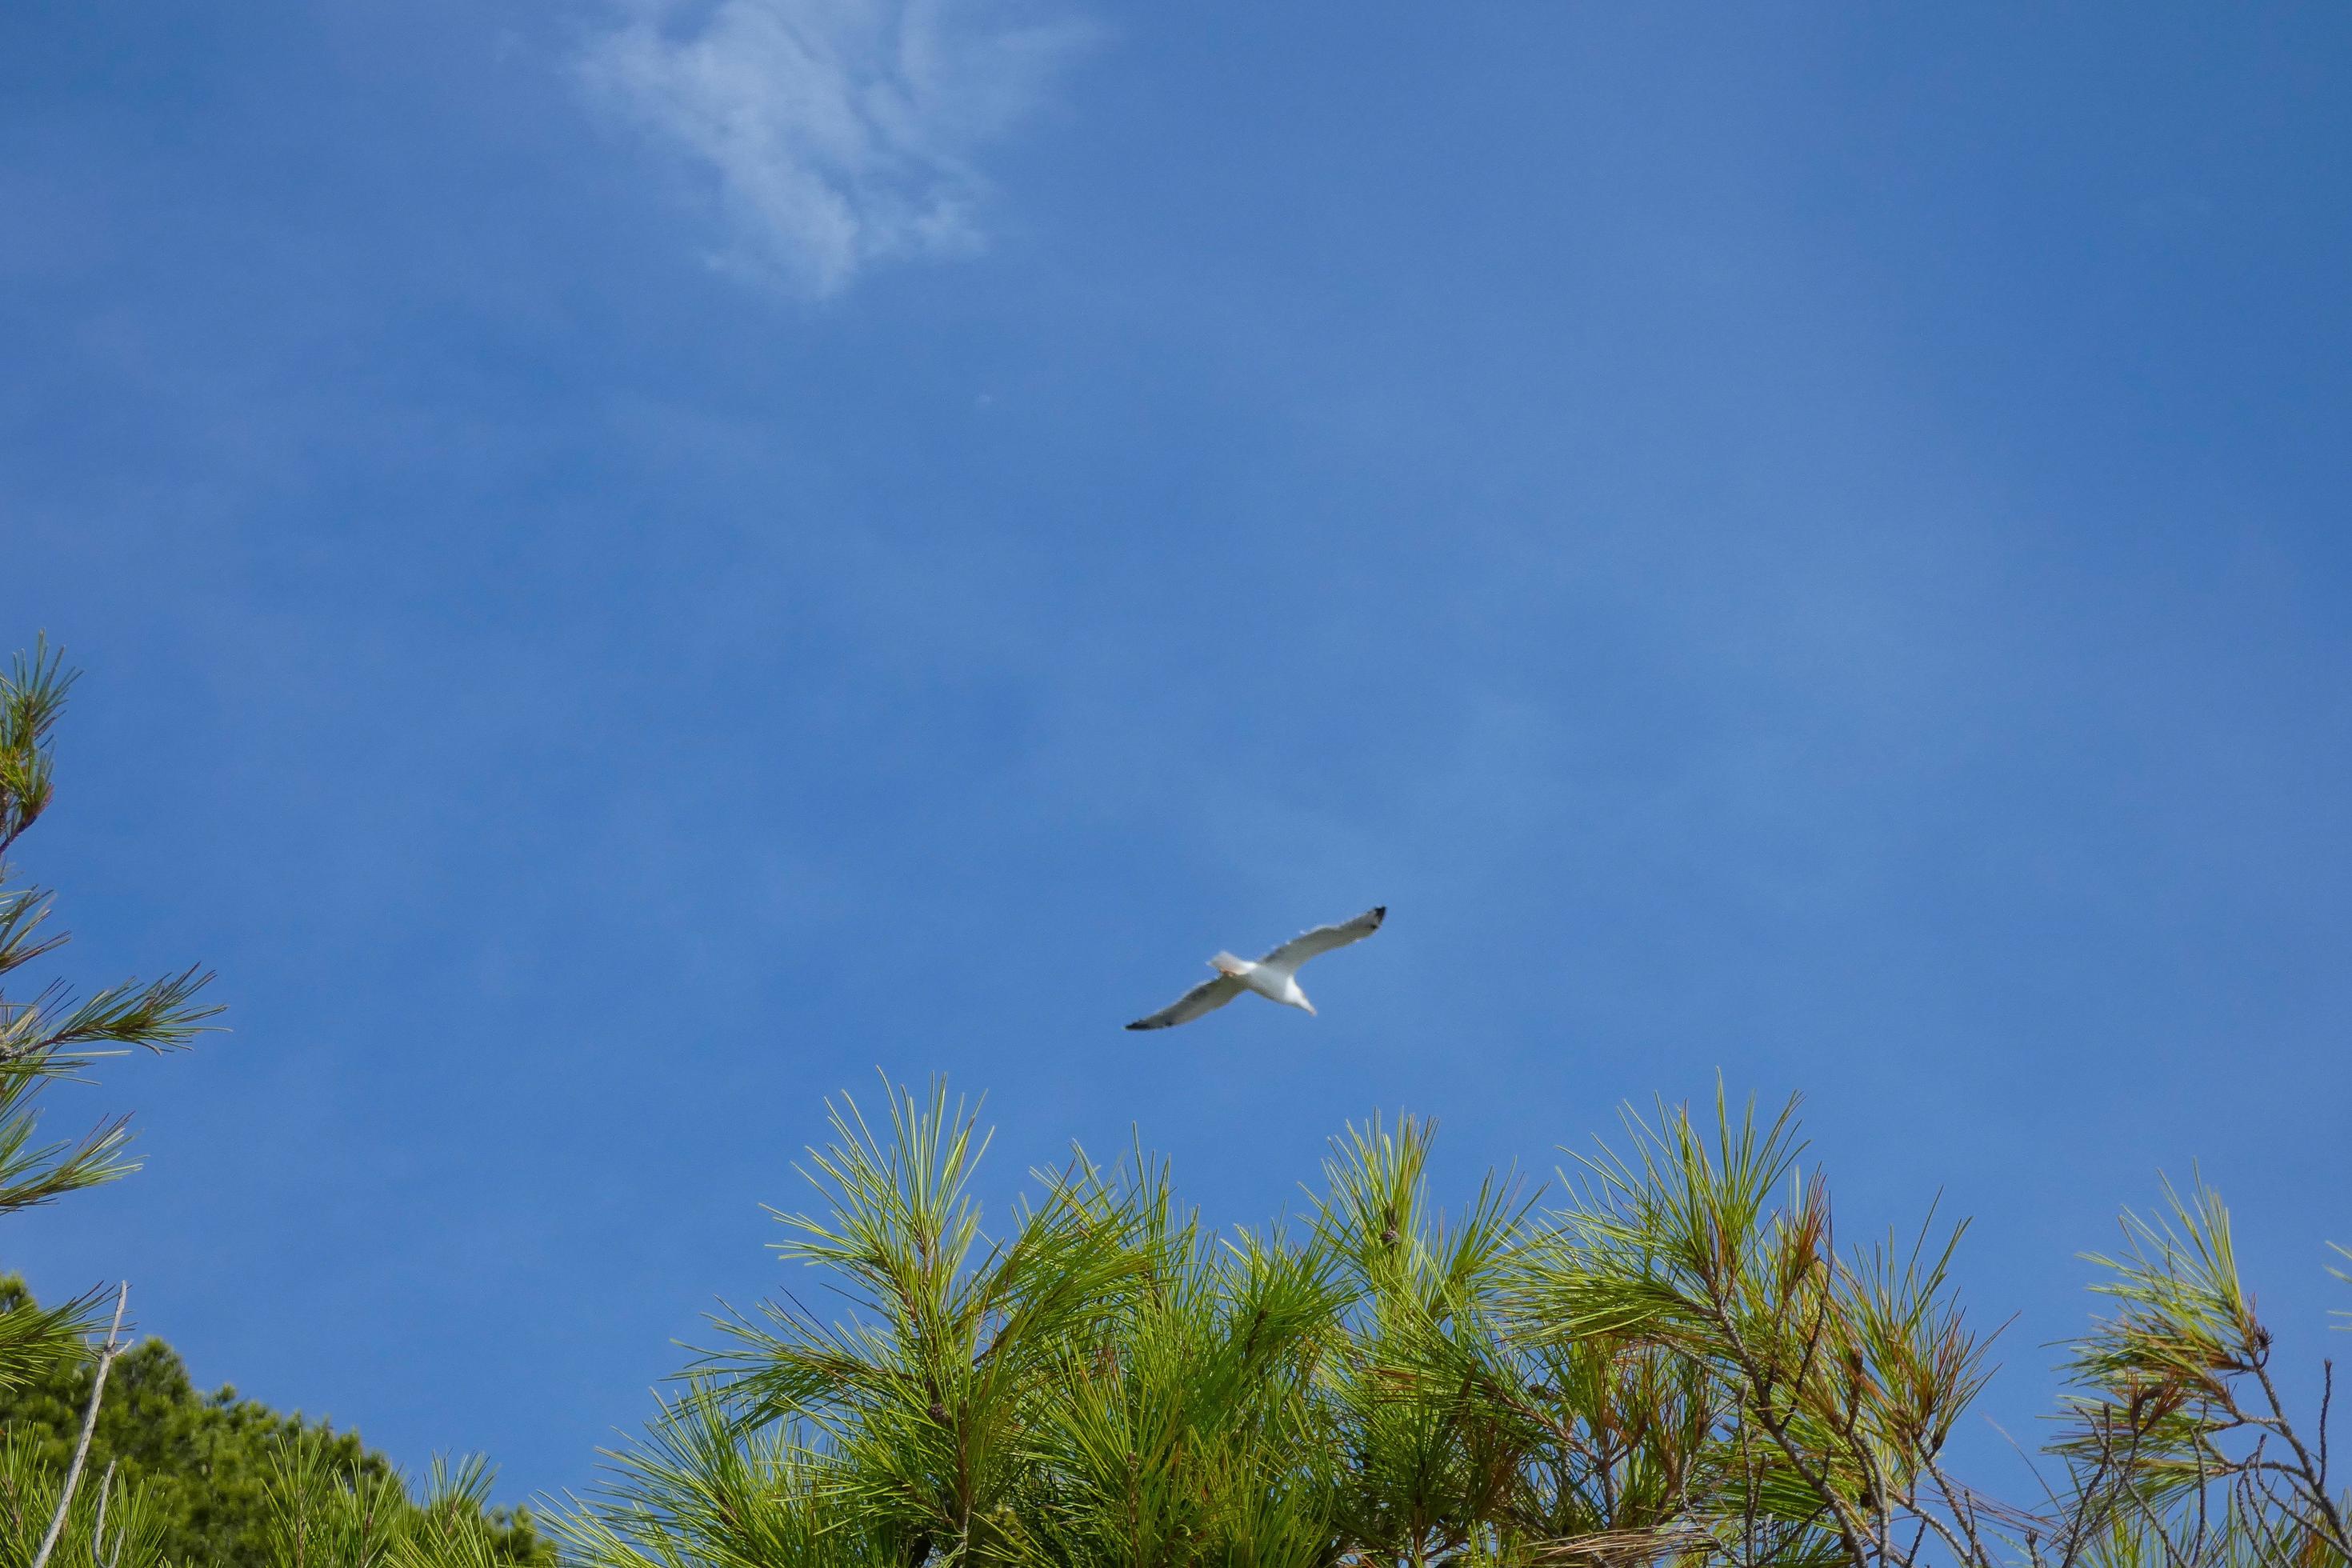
x=1274, y=977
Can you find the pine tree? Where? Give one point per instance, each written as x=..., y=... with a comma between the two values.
x=1676, y=1362
x=226, y=1480
x=48, y=1031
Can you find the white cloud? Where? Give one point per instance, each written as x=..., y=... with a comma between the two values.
x=840, y=132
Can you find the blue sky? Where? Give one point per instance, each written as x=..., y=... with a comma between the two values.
x=636, y=564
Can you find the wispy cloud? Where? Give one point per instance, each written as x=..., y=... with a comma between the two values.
x=839, y=132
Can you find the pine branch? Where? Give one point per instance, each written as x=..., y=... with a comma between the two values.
x=158, y=1015
x=32, y=695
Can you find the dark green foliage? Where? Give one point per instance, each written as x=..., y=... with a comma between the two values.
x=204, y=1462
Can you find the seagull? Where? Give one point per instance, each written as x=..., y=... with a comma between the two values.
x=1274, y=977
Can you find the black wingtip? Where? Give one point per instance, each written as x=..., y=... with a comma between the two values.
x=1138, y=1025
x=1380, y=913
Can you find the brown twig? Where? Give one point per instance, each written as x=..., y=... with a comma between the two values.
x=2315, y=1480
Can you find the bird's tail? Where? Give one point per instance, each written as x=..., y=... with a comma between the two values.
x=1226, y=964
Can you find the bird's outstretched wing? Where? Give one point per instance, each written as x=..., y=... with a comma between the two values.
x=1206, y=997
x=1323, y=939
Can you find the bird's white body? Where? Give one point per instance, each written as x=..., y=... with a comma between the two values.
x=1274, y=977
x=1272, y=981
